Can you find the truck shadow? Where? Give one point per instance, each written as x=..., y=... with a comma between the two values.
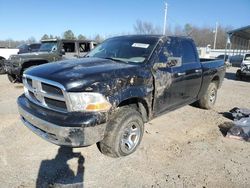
x=232, y=76
x=57, y=173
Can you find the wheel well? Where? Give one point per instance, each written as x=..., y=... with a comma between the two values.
x=2, y=58
x=216, y=80
x=139, y=104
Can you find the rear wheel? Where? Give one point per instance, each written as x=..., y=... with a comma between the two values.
x=238, y=74
x=208, y=100
x=123, y=134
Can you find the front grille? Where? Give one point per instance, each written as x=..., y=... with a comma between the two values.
x=55, y=103
x=51, y=89
x=43, y=93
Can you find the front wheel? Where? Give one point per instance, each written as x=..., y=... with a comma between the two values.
x=123, y=133
x=2, y=71
x=208, y=100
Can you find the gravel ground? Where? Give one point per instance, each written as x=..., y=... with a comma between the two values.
x=183, y=148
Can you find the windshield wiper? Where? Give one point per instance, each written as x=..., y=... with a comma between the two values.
x=114, y=59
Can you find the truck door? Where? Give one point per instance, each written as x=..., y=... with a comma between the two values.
x=192, y=70
x=169, y=79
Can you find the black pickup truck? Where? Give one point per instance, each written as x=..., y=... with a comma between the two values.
x=106, y=97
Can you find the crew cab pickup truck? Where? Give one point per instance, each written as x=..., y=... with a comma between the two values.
x=49, y=51
x=106, y=97
x=244, y=71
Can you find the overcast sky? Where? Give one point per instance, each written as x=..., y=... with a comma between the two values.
x=21, y=19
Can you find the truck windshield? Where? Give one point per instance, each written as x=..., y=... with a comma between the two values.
x=127, y=49
x=48, y=46
x=247, y=57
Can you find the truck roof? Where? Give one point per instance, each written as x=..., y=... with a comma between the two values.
x=66, y=40
x=153, y=36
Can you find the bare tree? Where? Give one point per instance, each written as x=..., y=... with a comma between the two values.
x=203, y=36
x=146, y=28
x=98, y=38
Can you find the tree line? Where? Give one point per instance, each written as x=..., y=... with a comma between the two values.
x=69, y=34
x=202, y=36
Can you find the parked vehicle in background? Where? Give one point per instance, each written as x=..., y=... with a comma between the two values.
x=236, y=60
x=5, y=53
x=244, y=71
x=222, y=56
x=225, y=58
x=27, y=48
x=107, y=96
x=49, y=51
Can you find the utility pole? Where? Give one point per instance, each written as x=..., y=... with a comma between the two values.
x=215, y=34
x=165, y=18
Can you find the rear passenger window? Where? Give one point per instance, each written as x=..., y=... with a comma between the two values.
x=69, y=47
x=188, y=52
x=171, y=48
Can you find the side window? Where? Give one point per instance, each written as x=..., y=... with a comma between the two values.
x=69, y=47
x=34, y=47
x=171, y=48
x=84, y=47
x=188, y=52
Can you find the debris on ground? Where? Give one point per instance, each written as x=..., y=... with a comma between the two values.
x=241, y=124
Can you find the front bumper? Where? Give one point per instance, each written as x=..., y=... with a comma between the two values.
x=11, y=69
x=79, y=133
x=244, y=72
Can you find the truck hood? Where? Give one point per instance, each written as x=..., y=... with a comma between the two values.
x=29, y=55
x=87, y=74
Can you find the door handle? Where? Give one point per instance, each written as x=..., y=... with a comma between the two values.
x=181, y=73
x=198, y=71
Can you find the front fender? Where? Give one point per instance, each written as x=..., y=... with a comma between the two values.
x=143, y=93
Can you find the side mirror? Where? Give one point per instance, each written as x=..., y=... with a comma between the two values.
x=174, y=62
x=62, y=51
x=171, y=62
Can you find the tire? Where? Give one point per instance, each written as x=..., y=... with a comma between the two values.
x=2, y=71
x=123, y=133
x=12, y=78
x=238, y=74
x=208, y=100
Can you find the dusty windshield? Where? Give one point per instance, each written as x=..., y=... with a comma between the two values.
x=48, y=46
x=125, y=49
x=247, y=57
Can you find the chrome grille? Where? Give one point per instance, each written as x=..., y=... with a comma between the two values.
x=45, y=93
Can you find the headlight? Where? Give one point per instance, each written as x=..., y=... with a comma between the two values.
x=92, y=102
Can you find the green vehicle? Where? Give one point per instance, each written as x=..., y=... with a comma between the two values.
x=50, y=50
